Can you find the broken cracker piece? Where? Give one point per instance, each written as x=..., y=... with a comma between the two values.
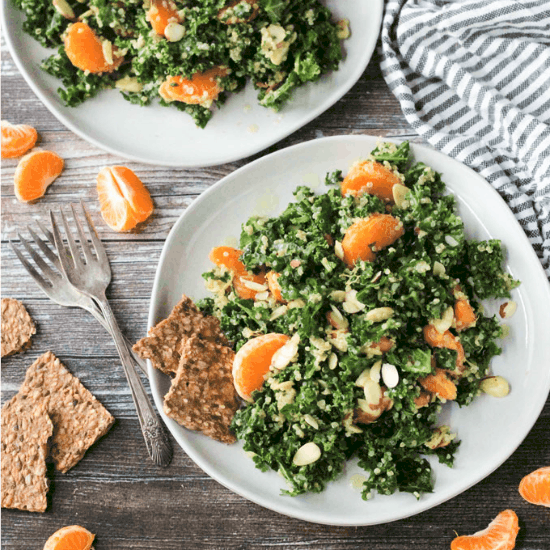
x=165, y=340
x=26, y=428
x=17, y=327
x=202, y=396
x=79, y=419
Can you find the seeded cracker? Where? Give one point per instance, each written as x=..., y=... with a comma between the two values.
x=79, y=419
x=26, y=428
x=202, y=396
x=17, y=327
x=165, y=340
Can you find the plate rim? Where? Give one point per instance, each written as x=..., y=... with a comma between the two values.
x=188, y=449
x=334, y=98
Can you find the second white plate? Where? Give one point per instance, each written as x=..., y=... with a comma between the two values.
x=490, y=429
x=165, y=136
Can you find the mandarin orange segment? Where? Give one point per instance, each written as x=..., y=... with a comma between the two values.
x=201, y=89
x=123, y=199
x=34, y=173
x=376, y=231
x=86, y=52
x=73, y=537
x=440, y=384
x=274, y=286
x=535, y=487
x=499, y=535
x=228, y=257
x=17, y=139
x=447, y=340
x=465, y=316
x=252, y=362
x=161, y=13
x=243, y=290
x=372, y=178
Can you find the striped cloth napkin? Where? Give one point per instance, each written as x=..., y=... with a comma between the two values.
x=473, y=79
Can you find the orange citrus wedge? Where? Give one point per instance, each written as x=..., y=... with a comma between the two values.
x=228, y=257
x=535, y=487
x=372, y=178
x=123, y=199
x=34, y=173
x=72, y=537
x=17, y=139
x=87, y=52
x=201, y=89
x=378, y=231
x=499, y=535
x=161, y=13
x=252, y=362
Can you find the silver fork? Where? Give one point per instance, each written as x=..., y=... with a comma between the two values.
x=54, y=283
x=91, y=275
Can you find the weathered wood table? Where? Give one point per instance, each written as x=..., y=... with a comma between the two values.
x=116, y=491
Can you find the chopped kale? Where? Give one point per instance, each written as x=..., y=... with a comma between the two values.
x=418, y=277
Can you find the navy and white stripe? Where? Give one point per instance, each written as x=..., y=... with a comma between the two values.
x=473, y=79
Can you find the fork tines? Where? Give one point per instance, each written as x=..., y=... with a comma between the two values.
x=45, y=276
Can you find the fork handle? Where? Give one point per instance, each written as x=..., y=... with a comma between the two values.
x=96, y=312
x=158, y=444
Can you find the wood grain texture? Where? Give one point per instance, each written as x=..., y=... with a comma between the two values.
x=115, y=491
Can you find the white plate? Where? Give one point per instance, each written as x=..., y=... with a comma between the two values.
x=490, y=429
x=160, y=135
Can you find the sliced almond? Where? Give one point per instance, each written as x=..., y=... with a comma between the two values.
x=438, y=269
x=338, y=339
x=446, y=321
x=399, y=193
x=336, y=319
x=129, y=84
x=338, y=295
x=332, y=361
x=107, y=51
x=508, y=309
x=252, y=285
x=63, y=8
x=390, y=375
x=375, y=371
x=451, y=241
x=285, y=354
x=296, y=303
x=311, y=421
x=496, y=386
x=363, y=377
x=379, y=314
x=351, y=303
x=262, y=296
x=307, y=454
x=279, y=312
x=339, y=250
x=373, y=392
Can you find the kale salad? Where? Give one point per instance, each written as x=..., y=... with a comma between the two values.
x=378, y=339
x=201, y=50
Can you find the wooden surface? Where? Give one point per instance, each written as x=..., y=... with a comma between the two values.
x=115, y=491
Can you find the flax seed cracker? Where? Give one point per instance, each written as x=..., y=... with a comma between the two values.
x=165, y=340
x=26, y=428
x=17, y=327
x=79, y=419
x=202, y=396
